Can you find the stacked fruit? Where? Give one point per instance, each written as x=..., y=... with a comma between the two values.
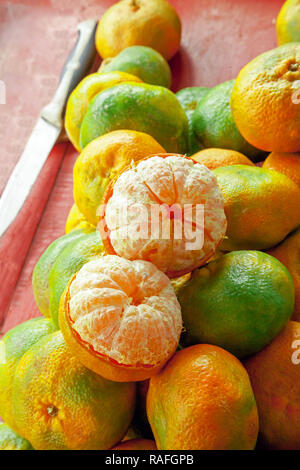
x=181, y=258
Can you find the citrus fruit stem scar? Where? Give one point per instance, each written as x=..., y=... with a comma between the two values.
x=52, y=411
x=135, y=5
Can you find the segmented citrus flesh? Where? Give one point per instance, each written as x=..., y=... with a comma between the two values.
x=154, y=213
x=126, y=311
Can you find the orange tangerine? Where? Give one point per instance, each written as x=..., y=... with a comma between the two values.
x=152, y=23
x=104, y=159
x=13, y=346
x=213, y=158
x=121, y=318
x=286, y=163
x=264, y=100
x=202, y=400
x=275, y=377
x=262, y=206
x=162, y=196
x=288, y=253
x=58, y=404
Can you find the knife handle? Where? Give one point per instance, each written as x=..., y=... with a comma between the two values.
x=75, y=68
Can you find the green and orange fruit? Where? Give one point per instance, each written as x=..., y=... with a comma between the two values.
x=264, y=100
x=10, y=440
x=288, y=22
x=213, y=158
x=13, y=346
x=101, y=161
x=286, y=163
x=152, y=23
x=288, y=253
x=262, y=206
x=275, y=377
x=239, y=302
x=214, y=124
x=189, y=99
x=60, y=405
x=142, y=62
x=141, y=107
x=202, y=400
x=83, y=94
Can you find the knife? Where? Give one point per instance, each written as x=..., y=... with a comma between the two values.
x=19, y=212
x=47, y=128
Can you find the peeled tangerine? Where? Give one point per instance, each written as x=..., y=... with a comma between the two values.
x=166, y=209
x=121, y=318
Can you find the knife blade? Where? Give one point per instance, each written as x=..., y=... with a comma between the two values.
x=47, y=128
x=26, y=171
x=29, y=186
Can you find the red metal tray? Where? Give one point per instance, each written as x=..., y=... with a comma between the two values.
x=219, y=37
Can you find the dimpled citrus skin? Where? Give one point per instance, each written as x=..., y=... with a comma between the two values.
x=136, y=444
x=76, y=221
x=288, y=253
x=143, y=62
x=13, y=346
x=213, y=158
x=262, y=206
x=189, y=98
x=101, y=161
x=152, y=23
x=262, y=100
x=275, y=377
x=288, y=22
x=59, y=404
x=124, y=313
x=202, y=400
x=160, y=182
x=152, y=109
x=9, y=440
x=239, y=302
x=40, y=275
x=286, y=163
x=82, y=95
x=214, y=125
